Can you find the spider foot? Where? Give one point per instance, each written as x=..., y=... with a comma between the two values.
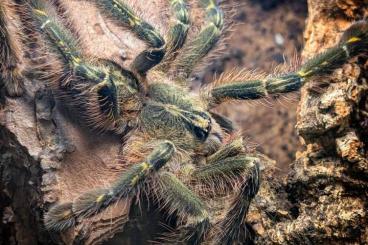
x=60, y=217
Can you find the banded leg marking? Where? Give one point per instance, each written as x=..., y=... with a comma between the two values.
x=120, y=12
x=177, y=33
x=195, y=50
x=97, y=90
x=64, y=216
x=179, y=29
x=353, y=42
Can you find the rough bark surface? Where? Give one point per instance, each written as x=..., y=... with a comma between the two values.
x=327, y=185
x=45, y=156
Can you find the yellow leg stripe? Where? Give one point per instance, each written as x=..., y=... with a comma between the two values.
x=354, y=39
x=66, y=214
x=100, y=198
x=146, y=166
x=134, y=180
x=303, y=73
x=40, y=12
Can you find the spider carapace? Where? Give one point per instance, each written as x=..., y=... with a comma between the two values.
x=176, y=149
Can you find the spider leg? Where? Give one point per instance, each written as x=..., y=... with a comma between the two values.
x=233, y=228
x=199, y=47
x=61, y=42
x=122, y=14
x=225, y=123
x=10, y=74
x=179, y=29
x=65, y=215
x=223, y=170
x=95, y=88
x=353, y=42
x=177, y=33
x=190, y=209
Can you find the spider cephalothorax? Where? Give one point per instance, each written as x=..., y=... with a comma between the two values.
x=177, y=152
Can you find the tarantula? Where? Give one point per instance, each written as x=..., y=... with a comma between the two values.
x=177, y=152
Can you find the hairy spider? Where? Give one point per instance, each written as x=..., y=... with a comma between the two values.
x=177, y=153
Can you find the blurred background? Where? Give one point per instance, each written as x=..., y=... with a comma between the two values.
x=267, y=33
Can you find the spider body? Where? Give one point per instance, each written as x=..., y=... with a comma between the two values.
x=176, y=150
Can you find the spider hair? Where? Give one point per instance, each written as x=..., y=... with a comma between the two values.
x=176, y=150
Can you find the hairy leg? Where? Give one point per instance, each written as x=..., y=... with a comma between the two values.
x=122, y=14
x=96, y=89
x=225, y=169
x=66, y=215
x=199, y=47
x=177, y=33
x=353, y=42
x=178, y=199
x=10, y=74
x=233, y=226
x=179, y=29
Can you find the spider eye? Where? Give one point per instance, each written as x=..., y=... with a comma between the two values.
x=200, y=124
x=201, y=134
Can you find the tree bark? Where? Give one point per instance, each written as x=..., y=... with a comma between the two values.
x=46, y=157
x=327, y=185
x=21, y=205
